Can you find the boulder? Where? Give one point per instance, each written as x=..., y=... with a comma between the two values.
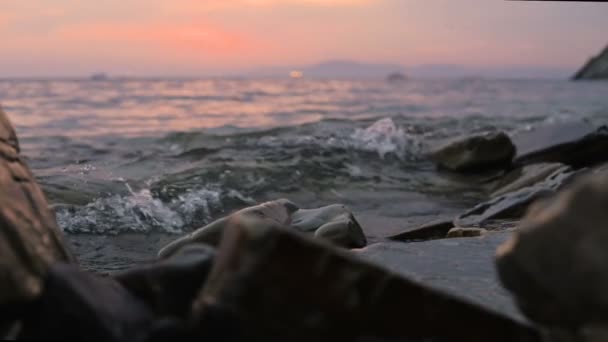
x=526, y=176
x=513, y=205
x=30, y=240
x=78, y=306
x=334, y=223
x=170, y=285
x=475, y=153
x=577, y=144
x=557, y=262
x=595, y=69
x=278, y=285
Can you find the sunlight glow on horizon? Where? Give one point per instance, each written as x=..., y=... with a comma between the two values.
x=187, y=36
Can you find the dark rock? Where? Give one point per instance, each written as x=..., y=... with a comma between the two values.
x=525, y=176
x=475, y=153
x=170, y=285
x=432, y=230
x=513, y=205
x=596, y=68
x=284, y=286
x=79, y=306
x=577, y=144
x=30, y=240
x=334, y=223
x=557, y=262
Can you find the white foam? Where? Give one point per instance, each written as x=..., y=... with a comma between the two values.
x=384, y=137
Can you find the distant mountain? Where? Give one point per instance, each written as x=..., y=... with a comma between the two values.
x=353, y=69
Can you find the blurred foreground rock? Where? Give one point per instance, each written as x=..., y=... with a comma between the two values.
x=475, y=153
x=281, y=286
x=595, y=69
x=557, y=263
x=30, y=240
x=333, y=223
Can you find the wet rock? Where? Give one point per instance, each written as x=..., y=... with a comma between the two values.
x=513, y=205
x=279, y=210
x=283, y=286
x=334, y=223
x=466, y=232
x=596, y=68
x=476, y=153
x=577, y=144
x=432, y=230
x=526, y=176
x=170, y=285
x=30, y=240
x=557, y=262
x=79, y=306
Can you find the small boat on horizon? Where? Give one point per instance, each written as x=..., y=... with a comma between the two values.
x=396, y=77
x=100, y=76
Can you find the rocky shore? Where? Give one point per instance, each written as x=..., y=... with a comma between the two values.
x=527, y=264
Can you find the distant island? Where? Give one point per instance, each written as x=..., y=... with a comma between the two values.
x=596, y=68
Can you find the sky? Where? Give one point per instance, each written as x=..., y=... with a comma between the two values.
x=213, y=37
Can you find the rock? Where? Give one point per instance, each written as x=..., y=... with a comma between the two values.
x=526, y=176
x=465, y=232
x=282, y=286
x=79, y=306
x=334, y=223
x=170, y=285
x=280, y=211
x=30, y=240
x=577, y=144
x=596, y=68
x=475, y=153
x=557, y=262
x=432, y=230
x=513, y=205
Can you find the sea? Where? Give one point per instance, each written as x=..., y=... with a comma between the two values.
x=130, y=164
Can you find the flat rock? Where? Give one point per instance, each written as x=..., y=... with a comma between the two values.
x=513, y=205
x=557, y=262
x=30, y=240
x=577, y=144
x=277, y=285
x=432, y=230
x=525, y=176
x=460, y=232
x=78, y=306
x=475, y=153
x=170, y=285
x=462, y=267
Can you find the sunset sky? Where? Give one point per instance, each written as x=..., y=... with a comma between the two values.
x=201, y=37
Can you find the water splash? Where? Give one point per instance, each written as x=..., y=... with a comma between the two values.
x=384, y=137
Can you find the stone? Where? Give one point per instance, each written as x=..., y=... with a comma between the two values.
x=278, y=285
x=432, y=230
x=513, y=205
x=465, y=232
x=526, y=176
x=170, y=285
x=556, y=264
x=595, y=69
x=30, y=240
x=475, y=153
x=79, y=306
x=576, y=143
x=334, y=223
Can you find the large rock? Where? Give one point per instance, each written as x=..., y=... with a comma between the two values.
x=77, y=306
x=30, y=240
x=334, y=223
x=596, y=68
x=526, y=176
x=170, y=285
x=577, y=144
x=475, y=153
x=557, y=263
x=277, y=285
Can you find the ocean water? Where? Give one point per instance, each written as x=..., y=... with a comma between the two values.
x=129, y=164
